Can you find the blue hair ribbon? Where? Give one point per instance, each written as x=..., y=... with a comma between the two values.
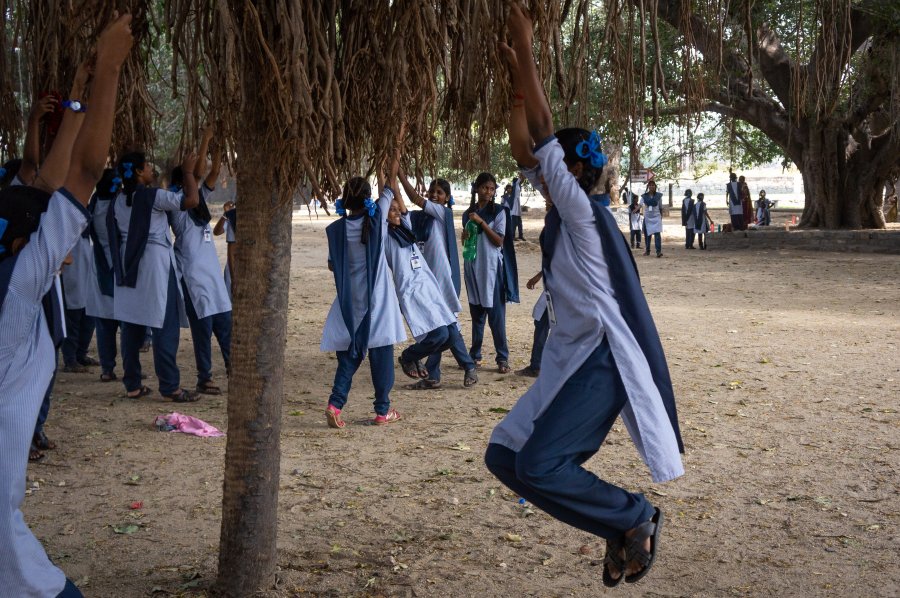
x=175, y=188
x=2, y=172
x=115, y=184
x=3, y=224
x=339, y=207
x=450, y=202
x=370, y=206
x=127, y=168
x=592, y=149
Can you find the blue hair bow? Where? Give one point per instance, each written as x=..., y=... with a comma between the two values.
x=175, y=188
x=127, y=170
x=3, y=224
x=2, y=172
x=591, y=149
x=115, y=184
x=450, y=202
x=339, y=207
x=370, y=206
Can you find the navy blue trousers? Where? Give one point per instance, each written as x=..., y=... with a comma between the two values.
x=165, y=347
x=657, y=240
x=202, y=330
x=688, y=236
x=106, y=344
x=548, y=470
x=496, y=319
x=457, y=346
x=70, y=591
x=541, y=332
x=79, y=332
x=381, y=364
x=45, y=404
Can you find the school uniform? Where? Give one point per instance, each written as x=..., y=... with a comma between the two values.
x=206, y=298
x=735, y=208
x=436, y=236
x=635, y=224
x=430, y=319
x=515, y=208
x=76, y=288
x=687, y=221
x=701, y=223
x=603, y=359
x=366, y=304
x=101, y=285
x=26, y=366
x=147, y=292
x=653, y=223
x=491, y=280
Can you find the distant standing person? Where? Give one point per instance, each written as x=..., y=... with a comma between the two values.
x=635, y=221
x=514, y=204
x=733, y=199
x=746, y=202
x=702, y=221
x=653, y=224
x=687, y=219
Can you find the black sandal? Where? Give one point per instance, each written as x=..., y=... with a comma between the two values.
x=471, y=378
x=143, y=391
x=410, y=368
x=108, y=377
x=634, y=547
x=208, y=388
x=615, y=556
x=43, y=443
x=503, y=367
x=185, y=396
x=423, y=385
x=423, y=371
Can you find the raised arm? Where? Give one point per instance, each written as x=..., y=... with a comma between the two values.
x=191, y=197
x=200, y=166
x=220, y=225
x=214, y=169
x=92, y=145
x=525, y=75
x=31, y=156
x=52, y=173
x=410, y=191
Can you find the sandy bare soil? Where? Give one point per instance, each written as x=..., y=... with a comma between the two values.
x=787, y=370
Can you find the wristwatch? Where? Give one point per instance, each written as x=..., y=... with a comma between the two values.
x=75, y=105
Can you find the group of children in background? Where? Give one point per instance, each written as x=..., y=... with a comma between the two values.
x=601, y=353
x=125, y=275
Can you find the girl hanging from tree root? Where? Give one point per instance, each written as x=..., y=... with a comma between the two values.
x=603, y=357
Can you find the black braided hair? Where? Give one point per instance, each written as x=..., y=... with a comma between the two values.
x=130, y=183
x=356, y=192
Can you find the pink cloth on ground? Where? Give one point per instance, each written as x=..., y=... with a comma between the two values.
x=189, y=424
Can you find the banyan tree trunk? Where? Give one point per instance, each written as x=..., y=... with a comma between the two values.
x=841, y=181
x=247, y=550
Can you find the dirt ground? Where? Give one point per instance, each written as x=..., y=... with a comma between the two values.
x=786, y=366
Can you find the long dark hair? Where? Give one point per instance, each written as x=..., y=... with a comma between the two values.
x=356, y=192
x=107, y=187
x=129, y=165
x=481, y=179
x=569, y=138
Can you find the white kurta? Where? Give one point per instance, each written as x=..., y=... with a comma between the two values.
x=734, y=201
x=26, y=365
x=515, y=202
x=652, y=217
x=98, y=304
x=386, y=326
x=481, y=274
x=199, y=264
x=145, y=304
x=540, y=306
x=690, y=217
x=434, y=250
x=76, y=276
x=420, y=299
x=701, y=225
x=635, y=220
x=586, y=309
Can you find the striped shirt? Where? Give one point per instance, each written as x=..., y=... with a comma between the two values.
x=26, y=365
